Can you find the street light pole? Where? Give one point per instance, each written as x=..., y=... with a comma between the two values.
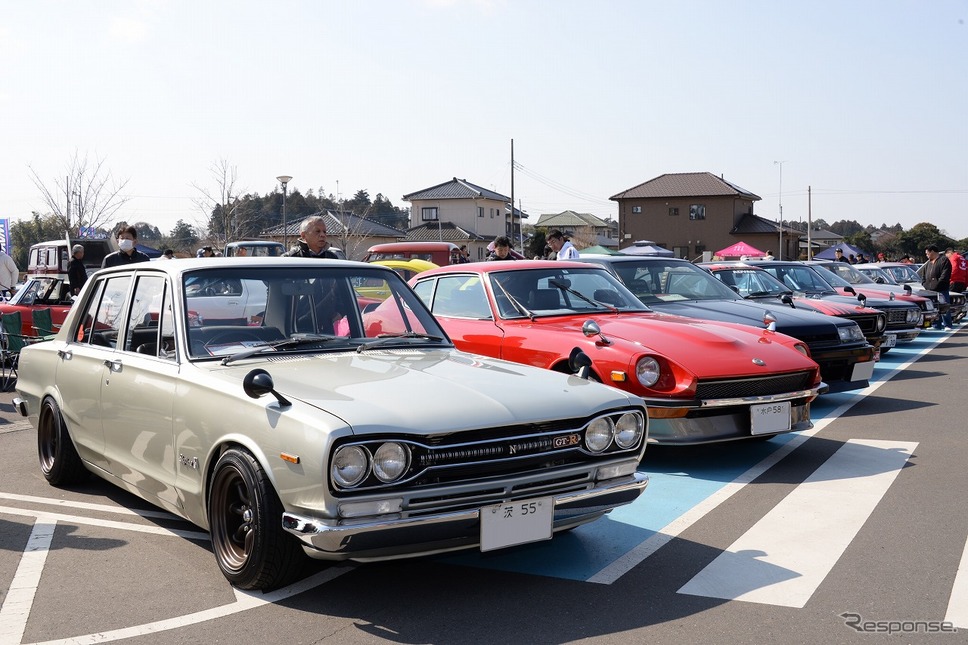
x=284, y=180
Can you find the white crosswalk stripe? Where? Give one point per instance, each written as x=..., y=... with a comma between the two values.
x=785, y=556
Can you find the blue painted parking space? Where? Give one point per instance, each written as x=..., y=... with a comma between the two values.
x=681, y=481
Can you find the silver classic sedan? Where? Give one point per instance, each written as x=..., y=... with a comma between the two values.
x=325, y=422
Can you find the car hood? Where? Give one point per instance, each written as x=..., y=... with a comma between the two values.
x=793, y=322
x=436, y=391
x=707, y=349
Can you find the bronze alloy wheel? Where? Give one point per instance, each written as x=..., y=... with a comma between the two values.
x=245, y=519
x=58, y=457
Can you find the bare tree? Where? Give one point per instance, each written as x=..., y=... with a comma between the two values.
x=86, y=196
x=225, y=220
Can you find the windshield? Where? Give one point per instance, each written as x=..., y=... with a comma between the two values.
x=903, y=273
x=874, y=273
x=229, y=312
x=669, y=281
x=804, y=279
x=847, y=272
x=544, y=292
x=43, y=292
x=752, y=283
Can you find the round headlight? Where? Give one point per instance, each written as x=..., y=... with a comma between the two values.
x=647, y=371
x=629, y=430
x=350, y=465
x=390, y=461
x=881, y=323
x=598, y=434
x=803, y=349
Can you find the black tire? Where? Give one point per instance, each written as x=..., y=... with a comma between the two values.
x=59, y=460
x=245, y=519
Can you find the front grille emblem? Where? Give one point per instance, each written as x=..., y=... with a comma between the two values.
x=759, y=361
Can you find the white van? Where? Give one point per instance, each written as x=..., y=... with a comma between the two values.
x=254, y=248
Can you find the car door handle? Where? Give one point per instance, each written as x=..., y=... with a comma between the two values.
x=114, y=365
x=66, y=354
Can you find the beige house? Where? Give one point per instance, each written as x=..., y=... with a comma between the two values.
x=690, y=213
x=483, y=214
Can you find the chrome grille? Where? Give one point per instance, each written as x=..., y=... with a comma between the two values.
x=755, y=386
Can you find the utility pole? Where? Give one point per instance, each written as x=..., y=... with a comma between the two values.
x=510, y=231
x=809, y=224
x=780, y=164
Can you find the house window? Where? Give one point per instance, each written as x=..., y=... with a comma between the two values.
x=480, y=211
x=428, y=213
x=697, y=211
x=492, y=213
x=673, y=212
x=636, y=209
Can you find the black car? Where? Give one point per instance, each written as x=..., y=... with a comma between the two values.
x=677, y=286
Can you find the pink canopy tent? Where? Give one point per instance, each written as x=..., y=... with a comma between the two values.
x=739, y=250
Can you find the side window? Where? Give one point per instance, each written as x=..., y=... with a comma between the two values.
x=101, y=323
x=145, y=316
x=461, y=297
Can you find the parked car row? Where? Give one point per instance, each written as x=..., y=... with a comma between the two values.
x=294, y=406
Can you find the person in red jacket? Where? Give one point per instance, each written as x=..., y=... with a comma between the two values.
x=959, y=270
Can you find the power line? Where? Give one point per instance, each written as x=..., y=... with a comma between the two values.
x=551, y=183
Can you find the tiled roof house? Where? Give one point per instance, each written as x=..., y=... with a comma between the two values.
x=694, y=212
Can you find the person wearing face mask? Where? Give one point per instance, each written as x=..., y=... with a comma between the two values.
x=128, y=254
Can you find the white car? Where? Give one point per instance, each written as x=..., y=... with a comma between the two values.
x=319, y=429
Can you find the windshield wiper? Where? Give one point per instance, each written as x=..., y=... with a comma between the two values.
x=524, y=311
x=384, y=339
x=297, y=340
x=564, y=287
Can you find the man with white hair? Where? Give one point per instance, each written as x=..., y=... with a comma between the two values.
x=76, y=271
x=312, y=241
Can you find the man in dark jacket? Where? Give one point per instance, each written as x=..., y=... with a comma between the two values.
x=936, y=276
x=312, y=240
x=128, y=254
x=502, y=250
x=76, y=272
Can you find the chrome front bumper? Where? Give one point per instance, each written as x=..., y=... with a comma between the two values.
x=714, y=420
x=396, y=537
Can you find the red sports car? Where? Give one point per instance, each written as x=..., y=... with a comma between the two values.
x=703, y=381
x=40, y=292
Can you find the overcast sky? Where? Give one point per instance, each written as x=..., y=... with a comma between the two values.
x=864, y=101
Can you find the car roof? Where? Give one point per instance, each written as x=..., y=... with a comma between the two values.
x=510, y=265
x=185, y=265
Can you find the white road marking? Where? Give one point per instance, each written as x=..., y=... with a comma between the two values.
x=625, y=563
x=110, y=524
x=785, y=556
x=20, y=597
x=243, y=602
x=15, y=611
x=957, y=613
x=104, y=508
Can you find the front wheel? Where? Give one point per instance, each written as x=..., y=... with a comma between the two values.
x=245, y=519
x=59, y=460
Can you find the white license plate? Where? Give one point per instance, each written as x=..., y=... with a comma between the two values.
x=769, y=418
x=520, y=522
x=889, y=340
x=862, y=371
